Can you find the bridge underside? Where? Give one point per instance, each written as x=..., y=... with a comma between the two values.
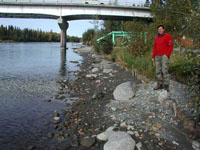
x=64, y=13
x=20, y=15
x=73, y=17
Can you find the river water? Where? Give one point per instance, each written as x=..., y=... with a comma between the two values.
x=28, y=77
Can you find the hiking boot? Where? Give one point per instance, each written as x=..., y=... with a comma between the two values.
x=158, y=86
x=166, y=87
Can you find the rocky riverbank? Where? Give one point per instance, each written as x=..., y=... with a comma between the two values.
x=105, y=97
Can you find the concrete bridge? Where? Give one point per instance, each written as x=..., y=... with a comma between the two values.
x=65, y=11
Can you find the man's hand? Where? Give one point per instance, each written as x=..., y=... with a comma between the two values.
x=153, y=61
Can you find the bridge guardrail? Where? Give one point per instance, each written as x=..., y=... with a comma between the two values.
x=84, y=2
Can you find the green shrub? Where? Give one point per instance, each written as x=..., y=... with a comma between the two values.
x=105, y=46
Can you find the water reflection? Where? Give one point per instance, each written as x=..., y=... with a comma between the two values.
x=63, y=62
x=28, y=76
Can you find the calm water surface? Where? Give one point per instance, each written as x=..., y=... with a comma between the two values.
x=28, y=75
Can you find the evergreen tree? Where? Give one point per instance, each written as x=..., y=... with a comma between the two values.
x=29, y=35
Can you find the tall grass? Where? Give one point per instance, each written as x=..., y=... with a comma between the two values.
x=183, y=65
x=143, y=64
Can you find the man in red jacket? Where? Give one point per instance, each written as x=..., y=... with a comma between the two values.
x=163, y=47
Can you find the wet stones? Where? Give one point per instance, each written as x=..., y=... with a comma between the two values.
x=55, y=113
x=61, y=97
x=56, y=120
x=50, y=135
x=31, y=147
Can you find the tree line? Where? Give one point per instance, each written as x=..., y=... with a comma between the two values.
x=11, y=33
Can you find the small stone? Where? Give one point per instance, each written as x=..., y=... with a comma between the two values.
x=107, y=70
x=93, y=55
x=61, y=97
x=196, y=145
x=162, y=95
x=113, y=117
x=87, y=141
x=113, y=108
x=160, y=143
x=91, y=76
x=55, y=126
x=98, y=81
x=129, y=127
x=157, y=134
x=50, y=135
x=60, y=92
x=123, y=124
x=76, y=73
x=55, y=113
x=74, y=143
x=56, y=120
x=31, y=147
x=175, y=143
x=110, y=74
x=63, y=146
x=136, y=133
x=95, y=70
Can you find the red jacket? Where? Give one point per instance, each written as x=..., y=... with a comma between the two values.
x=163, y=45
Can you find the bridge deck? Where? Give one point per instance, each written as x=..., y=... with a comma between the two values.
x=76, y=10
x=80, y=2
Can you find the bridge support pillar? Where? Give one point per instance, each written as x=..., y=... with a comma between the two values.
x=63, y=24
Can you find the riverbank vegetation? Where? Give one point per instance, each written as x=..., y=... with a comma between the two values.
x=15, y=34
x=181, y=20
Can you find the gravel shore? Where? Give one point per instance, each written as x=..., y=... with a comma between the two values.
x=154, y=122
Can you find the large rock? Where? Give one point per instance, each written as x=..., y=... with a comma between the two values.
x=104, y=135
x=125, y=91
x=120, y=141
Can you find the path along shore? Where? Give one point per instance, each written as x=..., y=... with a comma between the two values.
x=155, y=120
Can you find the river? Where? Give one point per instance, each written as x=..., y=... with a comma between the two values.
x=28, y=78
